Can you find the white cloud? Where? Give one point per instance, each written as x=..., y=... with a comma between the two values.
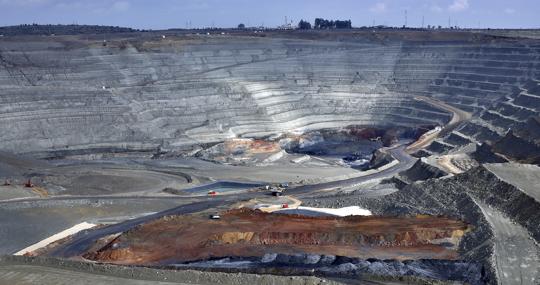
x=510, y=11
x=121, y=6
x=459, y=5
x=379, y=7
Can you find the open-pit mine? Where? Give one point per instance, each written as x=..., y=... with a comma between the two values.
x=405, y=156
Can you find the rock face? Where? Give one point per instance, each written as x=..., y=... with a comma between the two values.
x=421, y=171
x=249, y=233
x=522, y=143
x=68, y=94
x=493, y=191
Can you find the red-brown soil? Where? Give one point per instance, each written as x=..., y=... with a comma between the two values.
x=248, y=233
x=252, y=146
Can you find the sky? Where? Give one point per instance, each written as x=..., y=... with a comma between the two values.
x=163, y=14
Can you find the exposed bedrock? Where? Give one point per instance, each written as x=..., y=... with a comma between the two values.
x=420, y=171
x=484, y=154
x=68, y=94
x=522, y=143
x=424, y=271
x=247, y=233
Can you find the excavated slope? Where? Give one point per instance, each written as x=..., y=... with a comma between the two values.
x=248, y=233
x=66, y=93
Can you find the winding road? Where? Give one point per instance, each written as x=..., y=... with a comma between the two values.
x=85, y=239
x=405, y=162
x=458, y=116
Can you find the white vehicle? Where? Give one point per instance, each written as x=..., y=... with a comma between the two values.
x=215, y=217
x=277, y=191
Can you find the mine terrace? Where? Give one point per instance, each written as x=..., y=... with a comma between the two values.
x=247, y=156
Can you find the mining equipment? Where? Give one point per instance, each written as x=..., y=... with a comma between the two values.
x=279, y=189
x=29, y=183
x=277, y=192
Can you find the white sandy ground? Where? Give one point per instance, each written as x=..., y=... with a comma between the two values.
x=273, y=158
x=342, y=212
x=63, y=234
x=445, y=162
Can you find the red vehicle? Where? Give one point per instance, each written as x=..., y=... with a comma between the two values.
x=212, y=193
x=285, y=206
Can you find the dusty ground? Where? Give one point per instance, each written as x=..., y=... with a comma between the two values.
x=26, y=274
x=56, y=275
x=517, y=257
x=251, y=233
x=26, y=223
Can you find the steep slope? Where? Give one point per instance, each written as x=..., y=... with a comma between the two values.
x=66, y=93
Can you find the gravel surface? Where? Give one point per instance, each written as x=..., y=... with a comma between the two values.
x=23, y=270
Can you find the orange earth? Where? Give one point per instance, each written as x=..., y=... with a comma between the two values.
x=249, y=233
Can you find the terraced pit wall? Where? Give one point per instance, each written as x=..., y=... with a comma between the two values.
x=61, y=94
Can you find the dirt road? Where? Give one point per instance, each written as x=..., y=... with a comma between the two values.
x=458, y=116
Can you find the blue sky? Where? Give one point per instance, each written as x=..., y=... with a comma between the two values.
x=158, y=14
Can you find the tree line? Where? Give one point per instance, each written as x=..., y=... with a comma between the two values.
x=322, y=24
x=36, y=29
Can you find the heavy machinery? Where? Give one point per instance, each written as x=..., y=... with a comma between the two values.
x=29, y=183
x=279, y=189
x=277, y=192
